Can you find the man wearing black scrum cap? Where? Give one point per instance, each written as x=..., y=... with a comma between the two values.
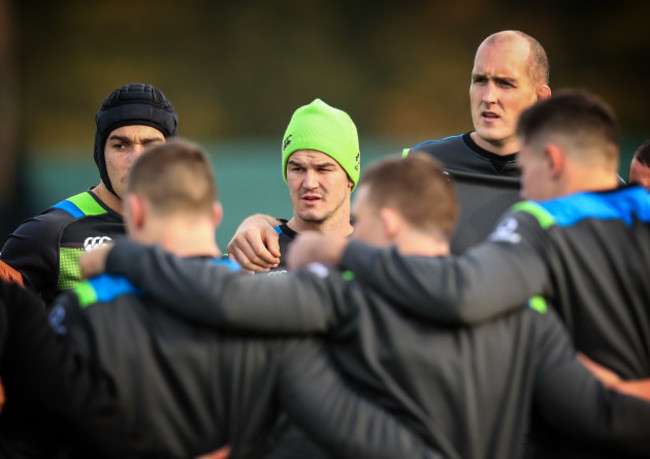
x=45, y=249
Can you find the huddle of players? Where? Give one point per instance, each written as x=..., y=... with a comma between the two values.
x=436, y=390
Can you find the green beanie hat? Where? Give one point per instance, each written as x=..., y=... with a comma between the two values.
x=318, y=126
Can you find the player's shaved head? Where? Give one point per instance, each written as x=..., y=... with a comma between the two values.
x=538, y=66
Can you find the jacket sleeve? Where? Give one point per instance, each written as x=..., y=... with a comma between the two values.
x=341, y=421
x=574, y=402
x=213, y=294
x=490, y=279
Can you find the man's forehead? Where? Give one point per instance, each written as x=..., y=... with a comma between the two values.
x=499, y=71
x=507, y=59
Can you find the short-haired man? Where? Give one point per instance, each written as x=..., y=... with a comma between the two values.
x=320, y=163
x=640, y=166
x=467, y=391
x=580, y=243
x=45, y=249
x=188, y=387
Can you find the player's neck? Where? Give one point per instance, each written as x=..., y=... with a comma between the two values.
x=335, y=227
x=421, y=244
x=183, y=237
x=589, y=180
x=501, y=148
x=109, y=199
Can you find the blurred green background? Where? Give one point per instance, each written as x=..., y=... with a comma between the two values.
x=236, y=71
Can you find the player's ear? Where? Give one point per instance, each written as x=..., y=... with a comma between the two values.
x=543, y=92
x=217, y=213
x=556, y=158
x=392, y=222
x=135, y=211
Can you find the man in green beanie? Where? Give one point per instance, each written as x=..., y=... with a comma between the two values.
x=320, y=163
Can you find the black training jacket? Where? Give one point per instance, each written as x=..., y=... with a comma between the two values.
x=193, y=389
x=487, y=185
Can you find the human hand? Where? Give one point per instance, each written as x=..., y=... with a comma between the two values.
x=637, y=387
x=256, y=245
x=2, y=396
x=10, y=274
x=221, y=453
x=311, y=247
x=94, y=263
x=605, y=375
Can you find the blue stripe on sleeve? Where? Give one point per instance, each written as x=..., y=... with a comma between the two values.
x=228, y=263
x=69, y=208
x=110, y=286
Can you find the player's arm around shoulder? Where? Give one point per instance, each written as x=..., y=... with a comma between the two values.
x=458, y=289
x=292, y=302
x=255, y=245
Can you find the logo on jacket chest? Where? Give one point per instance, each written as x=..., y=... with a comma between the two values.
x=94, y=242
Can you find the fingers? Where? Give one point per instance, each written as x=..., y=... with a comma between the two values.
x=94, y=263
x=252, y=248
x=221, y=453
x=10, y=274
x=605, y=375
x=2, y=396
x=272, y=242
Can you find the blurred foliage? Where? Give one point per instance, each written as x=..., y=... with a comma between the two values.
x=239, y=69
